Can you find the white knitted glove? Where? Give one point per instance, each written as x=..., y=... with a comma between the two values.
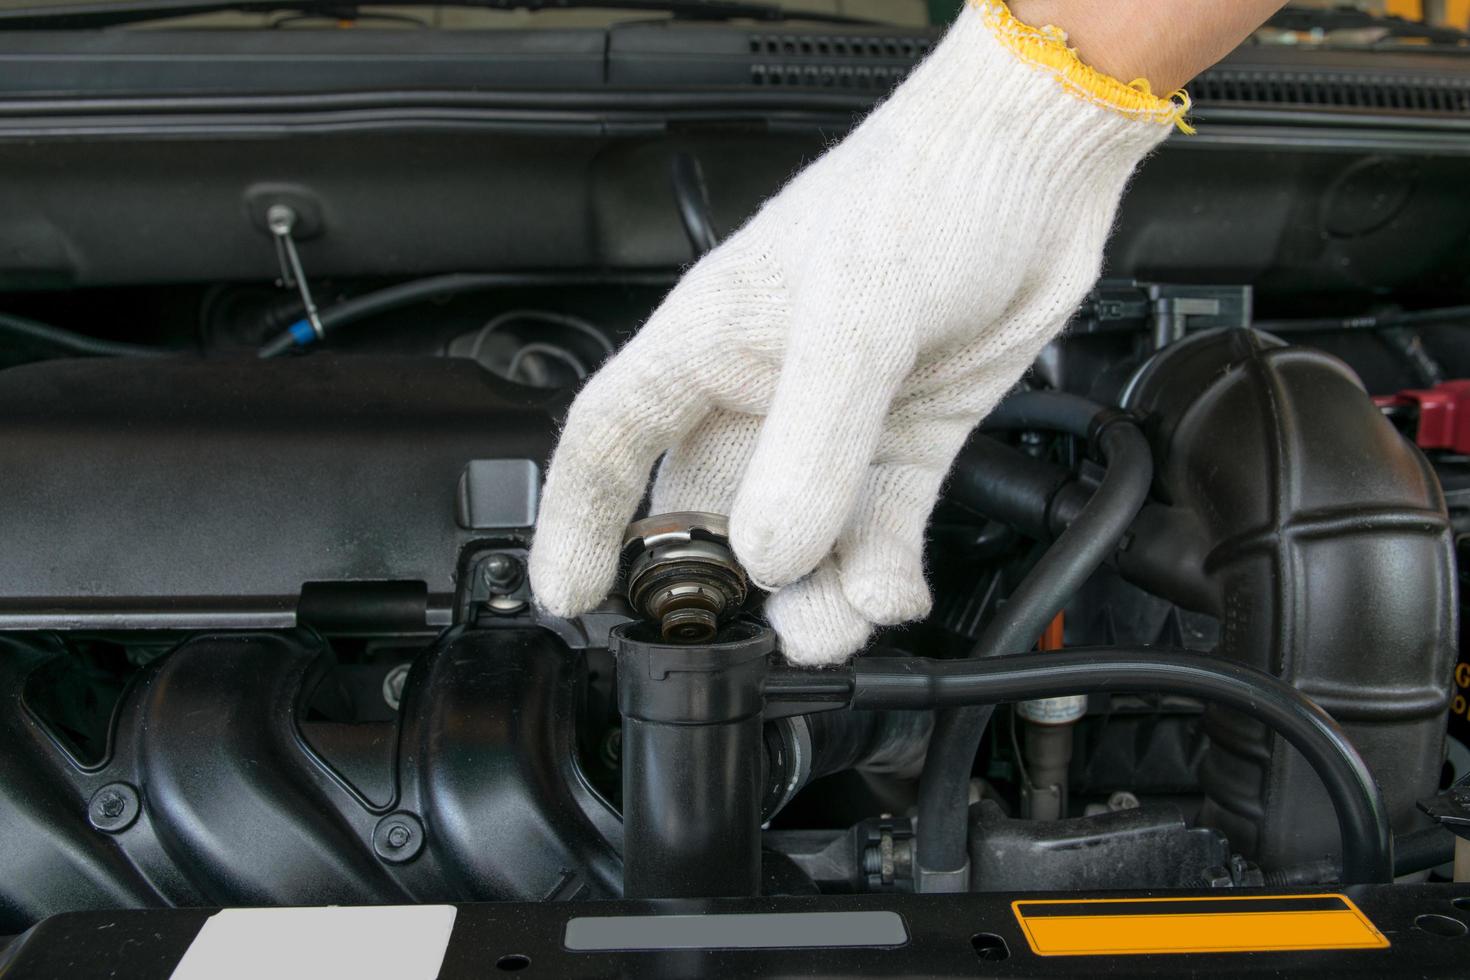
x=815, y=375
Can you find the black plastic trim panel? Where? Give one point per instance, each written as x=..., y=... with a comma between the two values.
x=948, y=936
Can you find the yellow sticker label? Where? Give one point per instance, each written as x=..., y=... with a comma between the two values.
x=1228, y=924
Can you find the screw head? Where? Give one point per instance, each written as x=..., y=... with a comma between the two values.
x=398, y=837
x=502, y=572
x=113, y=808
x=280, y=219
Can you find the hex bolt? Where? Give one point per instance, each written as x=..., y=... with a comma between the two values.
x=398, y=837
x=502, y=572
x=113, y=808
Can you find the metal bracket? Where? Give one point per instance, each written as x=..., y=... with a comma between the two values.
x=927, y=881
x=281, y=219
x=1167, y=311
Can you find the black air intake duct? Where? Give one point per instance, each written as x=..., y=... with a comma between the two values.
x=1289, y=508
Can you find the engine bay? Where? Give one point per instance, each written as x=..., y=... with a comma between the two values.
x=270, y=464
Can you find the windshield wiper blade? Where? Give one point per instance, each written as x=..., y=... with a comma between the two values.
x=1351, y=18
x=118, y=12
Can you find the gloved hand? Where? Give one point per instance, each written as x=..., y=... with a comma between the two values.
x=815, y=375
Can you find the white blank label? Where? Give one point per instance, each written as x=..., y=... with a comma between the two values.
x=404, y=942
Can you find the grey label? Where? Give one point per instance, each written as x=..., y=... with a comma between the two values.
x=742, y=930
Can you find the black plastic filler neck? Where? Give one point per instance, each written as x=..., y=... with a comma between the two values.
x=693, y=761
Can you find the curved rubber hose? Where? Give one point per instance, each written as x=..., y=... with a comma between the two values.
x=1367, y=840
x=299, y=334
x=944, y=787
x=692, y=197
x=76, y=343
x=1057, y=411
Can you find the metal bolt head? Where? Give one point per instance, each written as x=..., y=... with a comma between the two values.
x=113, y=808
x=399, y=837
x=502, y=572
x=280, y=219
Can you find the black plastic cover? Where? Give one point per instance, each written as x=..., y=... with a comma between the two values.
x=246, y=798
x=1295, y=513
x=961, y=936
x=186, y=493
x=1146, y=847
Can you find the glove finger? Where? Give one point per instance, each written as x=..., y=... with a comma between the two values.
x=880, y=557
x=629, y=413
x=703, y=471
x=881, y=552
x=838, y=380
x=817, y=625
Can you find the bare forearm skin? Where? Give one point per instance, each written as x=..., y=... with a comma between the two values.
x=1167, y=42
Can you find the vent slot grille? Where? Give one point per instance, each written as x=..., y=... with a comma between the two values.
x=828, y=76
x=834, y=60
x=877, y=63
x=908, y=49
x=1442, y=96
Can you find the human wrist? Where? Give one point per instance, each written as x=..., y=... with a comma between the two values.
x=1167, y=44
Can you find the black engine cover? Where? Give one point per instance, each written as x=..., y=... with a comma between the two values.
x=243, y=800
x=179, y=493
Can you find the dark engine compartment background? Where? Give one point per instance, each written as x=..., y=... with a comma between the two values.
x=249, y=642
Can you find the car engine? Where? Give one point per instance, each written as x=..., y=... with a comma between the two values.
x=269, y=639
x=270, y=464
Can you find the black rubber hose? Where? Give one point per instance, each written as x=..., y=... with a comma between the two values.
x=944, y=787
x=1420, y=850
x=1004, y=484
x=1379, y=321
x=299, y=334
x=1413, y=853
x=914, y=683
x=692, y=196
x=75, y=343
x=1056, y=411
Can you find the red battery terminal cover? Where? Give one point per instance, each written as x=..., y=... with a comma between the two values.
x=1444, y=414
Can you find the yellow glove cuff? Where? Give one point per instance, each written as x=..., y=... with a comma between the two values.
x=1046, y=48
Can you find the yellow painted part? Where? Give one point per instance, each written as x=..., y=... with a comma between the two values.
x=1112, y=932
x=1412, y=9
x=1457, y=13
